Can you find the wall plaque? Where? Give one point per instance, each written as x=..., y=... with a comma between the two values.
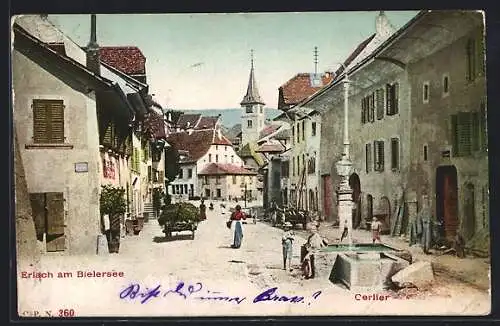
x=81, y=167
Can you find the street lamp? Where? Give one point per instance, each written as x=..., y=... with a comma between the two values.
x=344, y=168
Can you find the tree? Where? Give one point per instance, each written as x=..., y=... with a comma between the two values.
x=112, y=201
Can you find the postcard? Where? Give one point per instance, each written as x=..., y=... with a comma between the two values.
x=251, y=164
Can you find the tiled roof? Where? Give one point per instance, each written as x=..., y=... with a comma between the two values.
x=128, y=59
x=271, y=148
x=354, y=54
x=268, y=130
x=225, y=169
x=283, y=134
x=300, y=87
x=156, y=124
x=197, y=143
x=220, y=139
x=184, y=119
x=207, y=123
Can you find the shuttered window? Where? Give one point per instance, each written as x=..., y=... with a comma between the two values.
x=468, y=131
x=48, y=121
x=378, y=151
x=392, y=98
x=380, y=103
x=395, y=154
x=368, y=157
x=475, y=59
x=303, y=130
x=371, y=107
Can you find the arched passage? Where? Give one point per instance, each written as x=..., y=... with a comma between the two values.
x=355, y=185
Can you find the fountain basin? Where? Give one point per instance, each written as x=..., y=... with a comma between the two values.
x=360, y=247
x=368, y=271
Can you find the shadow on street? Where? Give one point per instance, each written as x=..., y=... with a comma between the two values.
x=172, y=238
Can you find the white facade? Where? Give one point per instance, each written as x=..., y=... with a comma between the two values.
x=252, y=122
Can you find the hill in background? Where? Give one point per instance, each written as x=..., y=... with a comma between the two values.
x=231, y=117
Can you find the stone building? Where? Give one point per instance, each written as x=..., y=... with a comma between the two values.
x=225, y=181
x=417, y=103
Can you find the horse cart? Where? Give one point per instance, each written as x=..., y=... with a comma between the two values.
x=179, y=217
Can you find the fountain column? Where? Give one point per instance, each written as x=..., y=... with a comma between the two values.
x=344, y=167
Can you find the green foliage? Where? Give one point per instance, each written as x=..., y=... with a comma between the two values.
x=172, y=165
x=179, y=212
x=112, y=200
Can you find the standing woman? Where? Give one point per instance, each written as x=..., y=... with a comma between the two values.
x=237, y=225
x=203, y=211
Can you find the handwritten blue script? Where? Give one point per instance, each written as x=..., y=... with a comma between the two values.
x=135, y=292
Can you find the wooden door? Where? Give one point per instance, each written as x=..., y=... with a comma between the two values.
x=48, y=213
x=450, y=203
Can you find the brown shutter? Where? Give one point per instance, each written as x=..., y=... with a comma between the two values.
x=56, y=109
x=380, y=103
x=464, y=124
x=38, y=208
x=376, y=165
x=388, y=99
x=363, y=119
x=40, y=124
x=372, y=107
x=368, y=152
x=55, y=212
x=381, y=153
x=395, y=153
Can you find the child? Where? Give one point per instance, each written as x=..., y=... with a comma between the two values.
x=376, y=225
x=286, y=242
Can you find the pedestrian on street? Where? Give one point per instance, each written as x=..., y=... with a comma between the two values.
x=287, y=244
x=237, y=226
x=203, y=211
x=376, y=226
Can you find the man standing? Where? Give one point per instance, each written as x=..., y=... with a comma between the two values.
x=376, y=226
x=287, y=244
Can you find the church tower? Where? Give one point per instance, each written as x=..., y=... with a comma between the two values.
x=253, y=115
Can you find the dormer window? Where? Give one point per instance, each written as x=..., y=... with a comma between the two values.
x=249, y=109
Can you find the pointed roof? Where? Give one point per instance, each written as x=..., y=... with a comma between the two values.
x=252, y=96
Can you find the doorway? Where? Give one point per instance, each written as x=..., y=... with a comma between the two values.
x=355, y=185
x=447, y=200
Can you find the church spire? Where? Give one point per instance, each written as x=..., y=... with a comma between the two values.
x=252, y=96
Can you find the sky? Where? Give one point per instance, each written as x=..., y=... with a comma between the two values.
x=202, y=61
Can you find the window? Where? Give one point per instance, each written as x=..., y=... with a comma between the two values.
x=186, y=189
x=311, y=165
x=249, y=109
x=392, y=98
x=216, y=158
x=293, y=166
x=216, y=147
x=48, y=121
x=475, y=56
x=48, y=215
x=234, y=180
x=468, y=131
x=446, y=85
x=303, y=130
x=298, y=133
x=190, y=173
x=378, y=150
x=425, y=92
x=219, y=193
x=232, y=158
x=217, y=180
x=261, y=109
x=249, y=123
x=395, y=154
x=293, y=133
x=313, y=128
x=368, y=157
x=209, y=157
x=205, y=180
x=380, y=103
x=368, y=108
x=426, y=153
x=181, y=173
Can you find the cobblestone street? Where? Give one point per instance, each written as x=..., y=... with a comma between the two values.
x=148, y=259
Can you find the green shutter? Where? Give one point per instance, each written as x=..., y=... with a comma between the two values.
x=380, y=103
x=395, y=90
x=388, y=99
x=56, y=109
x=464, y=127
x=108, y=135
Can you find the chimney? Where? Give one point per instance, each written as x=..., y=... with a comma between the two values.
x=93, y=61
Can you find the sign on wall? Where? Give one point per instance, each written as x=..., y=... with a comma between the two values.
x=81, y=167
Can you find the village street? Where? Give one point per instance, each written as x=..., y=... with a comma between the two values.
x=149, y=260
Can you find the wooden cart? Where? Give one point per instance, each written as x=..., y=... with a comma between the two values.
x=180, y=226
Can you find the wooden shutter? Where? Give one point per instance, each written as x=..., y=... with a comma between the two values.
x=395, y=153
x=380, y=103
x=371, y=100
x=150, y=173
x=368, y=157
x=38, y=210
x=376, y=164
x=55, y=212
x=395, y=90
x=56, y=109
x=454, y=134
x=388, y=99
x=363, y=116
x=40, y=122
x=108, y=134
x=381, y=153
x=475, y=131
x=464, y=126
